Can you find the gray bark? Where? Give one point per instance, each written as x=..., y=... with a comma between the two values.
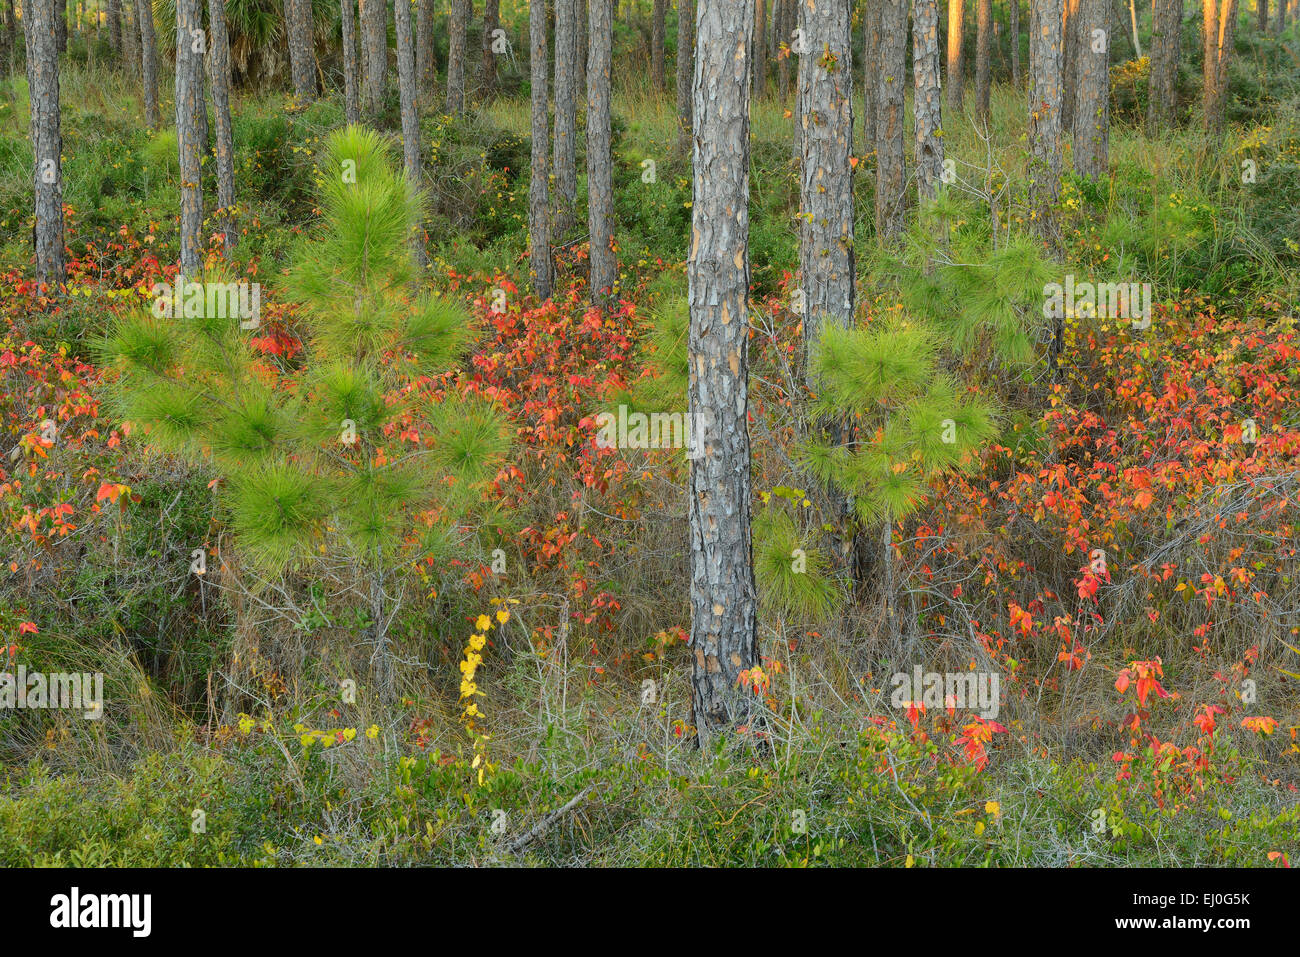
x=658, y=18
x=890, y=170
x=219, y=81
x=351, y=80
x=302, y=60
x=564, y=162
x=927, y=97
x=148, y=63
x=1092, y=103
x=539, y=225
x=47, y=138
x=406, y=91
x=189, y=103
x=600, y=172
x=487, y=68
x=724, y=606
x=1013, y=30
x=374, y=42
x=1045, y=114
x=426, y=69
x=685, y=73
x=461, y=11
x=983, y=36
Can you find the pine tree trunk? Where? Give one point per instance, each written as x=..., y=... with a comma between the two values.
x=39, y=18
x=685, y=74
x=351, y=81
x=1045, y=114
x=870, y=72
x=61, y=25
x=600, y=173
x=461, y=11
x=539, y=226
x=658, y=38
x=826, y=174
x=487, y=69
x=890, y=120
x=1220, y=28
x=760, y=49
x=1070, y=42
x=130, y=38
x=783, y=31
x=1279, y=21
x=927, y=98
x=582, y=14
x=983, y=36
x=189, y=103
x=956, y=63
x=7, y=38
x=724, y=606
x=1167, y=21
x=1013, y=28
x=426, y=67
x=565, y=149
x=148, y=63
x=374, y=41
x=1092, y=105
x=404, y=36
x=1261, y=8
x=302, y=62
x=219, y=80
x=115, y=26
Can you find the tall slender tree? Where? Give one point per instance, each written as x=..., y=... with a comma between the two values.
x=890, y=86
x=130, y=38
x=426, y=68
x=956, y=62
x=600, y=171
x=219, y=81
x=374, y=43
x=1045, y=114
x=983, y=68
x=39, y=18
x=760, y=49
x=404, y=36
x=351, y=78
x=1261, y=10
x=302, y=60
x=658, y=39
x=685, y=73
x=724, y=606
x=870, y=71
x=115, y=26
x=1092, y=103
x=7, y=38
x=461, y=11
x=564, y=161
x=1070, y=41
x=1166, y=24
x=1013, y=36
x=539, y=223
x=148, y=63
x=487, y=68
x=189, y=104
x=783, y=29
x=927, y=98
x=1220, y=26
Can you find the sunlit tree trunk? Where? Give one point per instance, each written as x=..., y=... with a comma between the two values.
x=1092, y=103
x=47, y=139
x=351, y=80
x=927, y=98
x=956, y=64
x=374, y=43
x=724, y=606
x=189, y=103
x=1219, y=25
x=219, y=80
x=983, y=36
x=1045, y=114
x=539, y=224
x=565, y=149
x=890, y=87
x=600, y=173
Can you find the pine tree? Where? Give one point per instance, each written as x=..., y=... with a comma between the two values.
x=311, y=468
